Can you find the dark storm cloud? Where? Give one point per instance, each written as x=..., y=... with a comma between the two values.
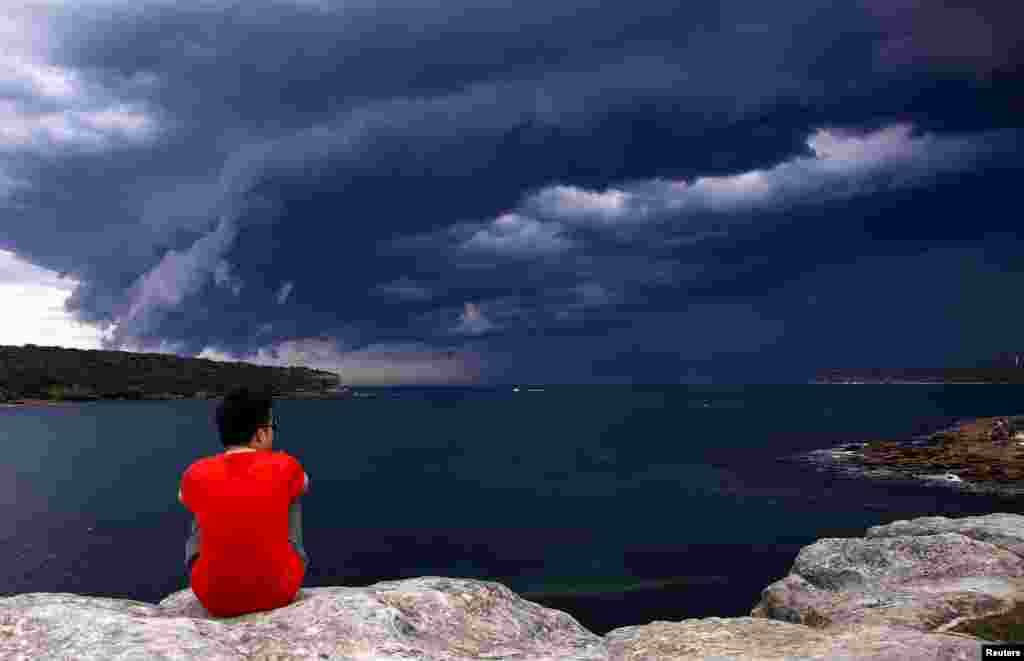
x=982, y=36
x=462, y=176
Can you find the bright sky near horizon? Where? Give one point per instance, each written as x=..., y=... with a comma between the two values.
x=34, y=314
x=34, y=308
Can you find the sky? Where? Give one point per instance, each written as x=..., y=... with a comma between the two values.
x=529, y=192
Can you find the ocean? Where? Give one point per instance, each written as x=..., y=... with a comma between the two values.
x=620, y=505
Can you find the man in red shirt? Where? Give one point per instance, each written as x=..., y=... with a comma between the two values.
x=245, y=553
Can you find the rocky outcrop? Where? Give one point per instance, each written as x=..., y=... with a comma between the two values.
x=930, y=574
x=930, y=588
x=425, y=618
x=751, y=638
x=983, y=455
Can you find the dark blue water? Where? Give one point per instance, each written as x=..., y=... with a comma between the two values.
x=618, y=504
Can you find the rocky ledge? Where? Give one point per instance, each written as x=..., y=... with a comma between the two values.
x=929, y=588
x=985, y=455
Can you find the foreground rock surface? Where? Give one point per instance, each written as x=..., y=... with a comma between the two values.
x=908, y=590
x=749, y=638
x=426, y=618
x=928, y=574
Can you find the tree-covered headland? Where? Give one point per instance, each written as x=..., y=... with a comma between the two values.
x=56, y=373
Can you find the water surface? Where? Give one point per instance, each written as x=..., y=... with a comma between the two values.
x=618, y=504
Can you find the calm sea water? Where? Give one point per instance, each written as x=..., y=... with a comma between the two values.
x=618, y=504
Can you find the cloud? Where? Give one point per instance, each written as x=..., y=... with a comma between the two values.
x=47, y=105
x=34, y=313
x=23, y=75
x=574, y=203
x=515, y=234
x=589, y=163
x=669, y=217
x=404, y=288
x=665, y=214
x=583, y=298
x=545, y=307
x=472, y=321
x=9, y=185
x=844, y=164
x=402, y=363
x=593, y=293
x=69, y=127
x=221, y=271
x=982, y=36
x=282, y=294
x=646, y=346
x=410, y=363
x=179, y=274
x=34, y=301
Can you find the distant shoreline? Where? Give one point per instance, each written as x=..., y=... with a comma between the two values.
x=54, y=402
x=33, y=402
x=908, y=383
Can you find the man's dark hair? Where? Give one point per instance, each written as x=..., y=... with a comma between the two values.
x=242, y=412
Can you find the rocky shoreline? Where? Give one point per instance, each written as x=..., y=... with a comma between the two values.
x=929, y=588
x=982, y=455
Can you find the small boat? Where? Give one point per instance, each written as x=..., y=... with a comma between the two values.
x=516, y=389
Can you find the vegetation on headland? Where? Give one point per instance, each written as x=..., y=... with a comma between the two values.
x=1000, y=374
x=59, y=374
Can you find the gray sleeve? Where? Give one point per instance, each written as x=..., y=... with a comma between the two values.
x=192, y=545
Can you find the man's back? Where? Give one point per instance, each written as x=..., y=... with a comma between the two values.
x=241, y=502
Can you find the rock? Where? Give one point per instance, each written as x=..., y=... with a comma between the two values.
x=929, y=574
x=908, y=590
x=746, y=638
x=979, y=453
x=427, y=618
x=1003, y=530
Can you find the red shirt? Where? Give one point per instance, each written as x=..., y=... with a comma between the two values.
x=240, y=501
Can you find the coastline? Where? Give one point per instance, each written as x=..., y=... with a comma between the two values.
x=53, y=402
x=979, y=455
x=33, y=402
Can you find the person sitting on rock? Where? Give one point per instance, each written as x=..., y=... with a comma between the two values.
x=245, y=551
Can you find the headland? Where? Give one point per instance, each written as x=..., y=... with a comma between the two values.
x=982, y=455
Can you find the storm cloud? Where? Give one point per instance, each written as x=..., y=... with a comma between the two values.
x=471, y=193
